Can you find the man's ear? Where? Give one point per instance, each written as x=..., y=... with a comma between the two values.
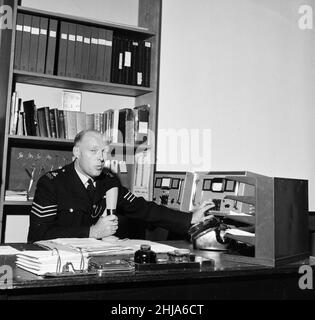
x=76, y=151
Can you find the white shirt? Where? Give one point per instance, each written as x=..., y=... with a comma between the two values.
x=85, y=179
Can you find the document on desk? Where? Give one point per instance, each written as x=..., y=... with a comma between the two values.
x=8, y=250
x=112, y=246
x=43, y=262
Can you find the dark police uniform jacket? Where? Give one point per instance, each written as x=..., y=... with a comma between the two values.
x=62, y=207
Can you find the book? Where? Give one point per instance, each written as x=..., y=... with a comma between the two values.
x=71, y=44
x=18, y=40
x=126, y=126
x=89, y=121
x=114, y=128
x=127, y=61
x=78, y=51
x=13, y=113
x=133, y=71
x=100, y=76
x=42, y=44
x=114, y=60
x=26, y=39
x=52, y=122
x=70, y=124
x=51, y=47
x=108, y=55
x=20, y=131
x=81, y=121
x=93, y=54
x=61, y=124
x=140, y=65
x=43, y=130
x=86, y=52
x=34, y=39
x=30, y=118
x=147, y=63
x=142, y=116
x=63, y=44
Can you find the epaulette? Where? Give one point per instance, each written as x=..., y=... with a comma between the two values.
x=109, y=174
x=53, y=174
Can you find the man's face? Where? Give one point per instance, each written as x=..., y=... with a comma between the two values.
x=91, y=153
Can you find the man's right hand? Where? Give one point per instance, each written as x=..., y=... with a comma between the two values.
x=105, y=226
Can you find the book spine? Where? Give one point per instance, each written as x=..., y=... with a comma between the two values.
x=71, y=50
x=61, y=124
x=32, y=63
x=78, y=51
x=47, y=121
x=101, y=55
x=56, y=115
x=42, y=44
x=51, y=47
x=52, y=122
x=18, y=40
x=147, y=63
x=108, y=55
x=86, y=52
x=93, y=53
x=63, y=42
x=26, y=38
x=42, y=122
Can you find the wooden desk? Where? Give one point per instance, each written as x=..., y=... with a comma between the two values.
x=228, y=280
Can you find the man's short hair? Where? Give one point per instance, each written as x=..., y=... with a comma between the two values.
x=82, y=133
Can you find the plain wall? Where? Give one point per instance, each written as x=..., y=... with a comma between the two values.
x=245, y=71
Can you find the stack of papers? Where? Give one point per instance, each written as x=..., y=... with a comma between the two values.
x=8, y=250
x=11, y=195
x=43, y=262
x=110, y=245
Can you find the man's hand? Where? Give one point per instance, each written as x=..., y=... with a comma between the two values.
x=105, y=226
x=199, y=212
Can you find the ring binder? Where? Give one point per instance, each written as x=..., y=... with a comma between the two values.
x=58, y=265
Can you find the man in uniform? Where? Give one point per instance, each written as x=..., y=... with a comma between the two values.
x=69, y=202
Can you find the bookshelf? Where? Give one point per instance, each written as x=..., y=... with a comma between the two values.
x=148, y=29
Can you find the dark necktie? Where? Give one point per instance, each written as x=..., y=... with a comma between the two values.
x=91, y=189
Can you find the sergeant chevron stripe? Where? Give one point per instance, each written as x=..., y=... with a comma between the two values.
x=44, y=211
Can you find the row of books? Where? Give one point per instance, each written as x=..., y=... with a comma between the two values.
x=51, y=46
x=124, y=125
x=131, y=62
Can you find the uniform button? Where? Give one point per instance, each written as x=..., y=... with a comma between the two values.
x=94, y=206
x=70, y=210
x=63, y=170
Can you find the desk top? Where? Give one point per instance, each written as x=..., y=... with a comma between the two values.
x=223, y=267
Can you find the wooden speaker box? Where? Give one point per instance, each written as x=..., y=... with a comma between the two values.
x=280, y=217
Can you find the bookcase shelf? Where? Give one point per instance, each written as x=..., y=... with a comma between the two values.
x=47, y=80
x=57, y=142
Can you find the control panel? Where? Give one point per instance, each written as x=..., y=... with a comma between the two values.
x=169, y=188
x=186, y=190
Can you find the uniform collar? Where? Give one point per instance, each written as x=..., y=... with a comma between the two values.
x=84, y=178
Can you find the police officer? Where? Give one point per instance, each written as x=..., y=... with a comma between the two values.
x=69, y=202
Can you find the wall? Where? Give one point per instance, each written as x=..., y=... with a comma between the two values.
x=244, y=70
